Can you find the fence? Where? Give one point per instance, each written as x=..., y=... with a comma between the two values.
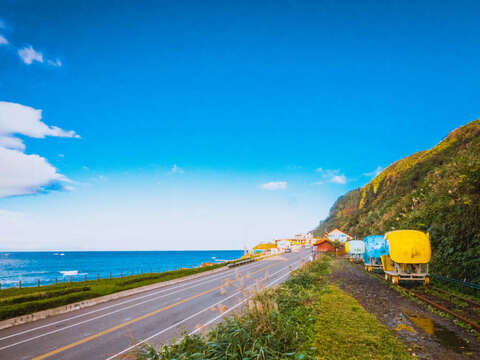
x=83, y=277
x=455, y=281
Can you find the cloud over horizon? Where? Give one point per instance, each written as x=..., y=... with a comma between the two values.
x=332, y=176
x=22, y=174
x=274, y=185
x=375, y=172
x=176, y=170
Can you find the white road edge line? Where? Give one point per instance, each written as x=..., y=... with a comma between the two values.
x=233, y=307
x=181, y=287
x=101, y=316
x=201, y=311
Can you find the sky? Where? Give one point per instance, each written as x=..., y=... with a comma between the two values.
x=157, y=125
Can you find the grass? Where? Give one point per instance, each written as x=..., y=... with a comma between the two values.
x=303, y=318
x=16, y=302
x=347, y=331
x=456, y=289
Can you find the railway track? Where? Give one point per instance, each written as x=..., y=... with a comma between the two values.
x=470, y=301
x=457, y=306
x=468, y=314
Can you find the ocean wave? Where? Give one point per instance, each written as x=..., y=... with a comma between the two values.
x=69, y=272
x=8, y=282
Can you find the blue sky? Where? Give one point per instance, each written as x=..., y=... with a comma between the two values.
x=190, y=125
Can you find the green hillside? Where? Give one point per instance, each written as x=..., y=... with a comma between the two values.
x=436, y=190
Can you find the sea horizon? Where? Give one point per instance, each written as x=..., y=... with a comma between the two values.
x=57, y=265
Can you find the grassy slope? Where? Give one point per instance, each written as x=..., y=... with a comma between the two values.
x=16, y=302
x=304, y=318
x=436, y=190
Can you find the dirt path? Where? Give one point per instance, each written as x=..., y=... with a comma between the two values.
x=426, y=335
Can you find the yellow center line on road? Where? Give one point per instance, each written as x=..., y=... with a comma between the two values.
x=122, y=325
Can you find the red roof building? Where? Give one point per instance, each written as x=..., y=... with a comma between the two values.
x=324, y=245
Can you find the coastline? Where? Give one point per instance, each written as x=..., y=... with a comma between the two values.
x=61, y=267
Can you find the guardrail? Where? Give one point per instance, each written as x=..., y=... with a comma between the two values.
x=247, y=261
x=250, y=260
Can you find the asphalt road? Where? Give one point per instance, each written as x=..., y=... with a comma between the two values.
x=112, y=330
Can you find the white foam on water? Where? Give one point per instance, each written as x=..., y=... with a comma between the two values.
x=69, y=272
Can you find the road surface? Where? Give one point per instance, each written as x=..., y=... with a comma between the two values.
x=112, y=330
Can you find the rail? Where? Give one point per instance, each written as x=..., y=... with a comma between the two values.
x=432, y=303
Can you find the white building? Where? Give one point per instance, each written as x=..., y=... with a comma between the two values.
x=309, y=238
x=299, y=237
x=339, y=235
x=305, y=239
x=283, y=244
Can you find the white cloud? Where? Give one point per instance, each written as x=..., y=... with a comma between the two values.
x=274, y=185
x=339, y=179
x=176, y=170
x=20, y=173
x=375, y=172
x=11, y=142
x=56, y=63
x=29, y=55
x=25, y=174
x=333, y=176
x=25, y=120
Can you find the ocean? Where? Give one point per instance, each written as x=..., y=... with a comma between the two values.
x=29, y=267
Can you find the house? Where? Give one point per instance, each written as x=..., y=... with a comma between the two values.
x=303, y=239
x=299, y=239
x=264, y=248
x=324, y=245
x=338, y=235
x=309, y=239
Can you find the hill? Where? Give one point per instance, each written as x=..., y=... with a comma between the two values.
x=436, y=190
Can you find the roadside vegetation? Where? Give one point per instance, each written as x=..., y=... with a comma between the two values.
x=16, y=302
x=303, y=318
